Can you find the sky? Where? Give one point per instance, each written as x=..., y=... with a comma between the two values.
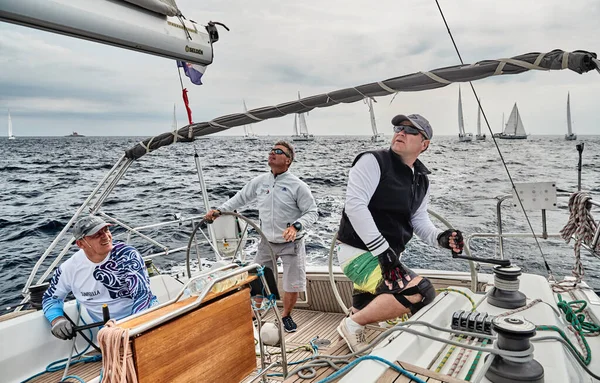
x=54, y=84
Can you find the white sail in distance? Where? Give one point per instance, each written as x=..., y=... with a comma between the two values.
x=461, y=121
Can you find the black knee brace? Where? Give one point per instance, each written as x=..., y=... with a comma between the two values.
x=425, y=288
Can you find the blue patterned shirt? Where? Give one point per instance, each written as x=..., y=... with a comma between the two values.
x=120, y=280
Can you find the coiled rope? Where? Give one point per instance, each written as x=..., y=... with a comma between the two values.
x=117, y=358
x=582, y=226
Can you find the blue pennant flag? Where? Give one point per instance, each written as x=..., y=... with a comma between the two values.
x=193, y=71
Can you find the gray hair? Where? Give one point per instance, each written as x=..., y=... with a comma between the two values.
x=289, y=147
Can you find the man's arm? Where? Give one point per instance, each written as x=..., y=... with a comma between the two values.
x=423, y=227
x=242, y=197
x=53, y=299
x=307, y=205
x=362, y=183
x=139, y=282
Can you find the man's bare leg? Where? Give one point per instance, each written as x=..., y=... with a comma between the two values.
x=289, y=301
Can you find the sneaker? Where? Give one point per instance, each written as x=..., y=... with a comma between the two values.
x=355, y=341
x=288, y=324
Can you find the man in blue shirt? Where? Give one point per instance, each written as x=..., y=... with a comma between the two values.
x=99, y=273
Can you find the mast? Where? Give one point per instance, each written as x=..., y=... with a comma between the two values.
x=570, y=131
x=461, y=122
x=174, y=126
x=372, y=114
x=517, y=118
x=247, y=128
x=302, y=129
x=295, y=124
x=503, y=122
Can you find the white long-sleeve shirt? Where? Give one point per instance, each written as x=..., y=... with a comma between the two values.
x=282, y=200
x=363, y=180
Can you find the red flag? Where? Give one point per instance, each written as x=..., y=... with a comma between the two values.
x=186, y=101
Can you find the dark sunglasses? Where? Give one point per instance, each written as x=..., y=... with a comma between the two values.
x=407, y=129
x=279, y=151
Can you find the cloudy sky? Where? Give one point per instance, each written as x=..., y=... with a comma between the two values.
x=54, y=84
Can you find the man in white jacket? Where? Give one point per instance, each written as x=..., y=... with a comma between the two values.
x=286, y=208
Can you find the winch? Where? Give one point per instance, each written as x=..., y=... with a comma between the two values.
x=513, y=335
x=505, y=293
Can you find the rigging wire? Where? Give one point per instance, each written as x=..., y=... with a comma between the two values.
x=496, y=144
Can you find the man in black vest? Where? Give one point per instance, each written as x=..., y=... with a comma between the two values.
x=386, y=202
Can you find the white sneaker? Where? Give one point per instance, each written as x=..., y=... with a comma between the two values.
x=355, y=341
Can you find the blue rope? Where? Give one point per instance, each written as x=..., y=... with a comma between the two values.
x=343, y=370
x=77, y=378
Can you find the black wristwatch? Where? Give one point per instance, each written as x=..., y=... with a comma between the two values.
x=297, y=226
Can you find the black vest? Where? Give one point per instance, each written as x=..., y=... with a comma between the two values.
x=397, y=197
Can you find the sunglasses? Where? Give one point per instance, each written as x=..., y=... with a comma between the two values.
x=279, y=151
x=407, y=129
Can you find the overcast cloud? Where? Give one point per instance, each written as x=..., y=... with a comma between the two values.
x=55, y=84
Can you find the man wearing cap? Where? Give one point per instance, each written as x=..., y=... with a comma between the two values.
x=99, y=273
x=386, y=202
x=286, y=208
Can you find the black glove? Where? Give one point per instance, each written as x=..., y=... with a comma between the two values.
x=444, y=240
x=63, y=329
x=391, y=268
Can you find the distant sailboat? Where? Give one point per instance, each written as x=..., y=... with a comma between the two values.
x=248, y=133
x=376, y=137
x=300, y=128
x=514, y=129
x=479, y=136
x=174, y=124
x=462, y=136
x=570, y=136
x=10, y=132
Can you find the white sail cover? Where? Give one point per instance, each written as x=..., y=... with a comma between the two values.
x=461, y=121
x=578, y=61
x=514, y=126
x=164, y=7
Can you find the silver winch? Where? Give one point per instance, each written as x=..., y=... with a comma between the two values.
x=514, y=333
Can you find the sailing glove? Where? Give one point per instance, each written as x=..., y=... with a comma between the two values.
x=391, y=268
x=63, y=329
x=456, y=236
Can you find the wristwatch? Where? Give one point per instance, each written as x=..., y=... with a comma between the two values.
x=297, y=226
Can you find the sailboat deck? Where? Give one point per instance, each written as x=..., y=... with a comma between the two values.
x=85, y=371
x=323, y=325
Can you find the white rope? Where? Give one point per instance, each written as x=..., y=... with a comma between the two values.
x=539, y=59
x=582, y=226
x=213, y=123
x=565, y=60
x=437, y=78
x=253, y=117
x=386, y=88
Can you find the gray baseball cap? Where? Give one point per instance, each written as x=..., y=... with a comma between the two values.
x=88, y=225
x=418, y=121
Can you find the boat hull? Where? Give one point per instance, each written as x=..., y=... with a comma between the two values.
x=570, y=137
x=114, y=23
x=510, y=137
